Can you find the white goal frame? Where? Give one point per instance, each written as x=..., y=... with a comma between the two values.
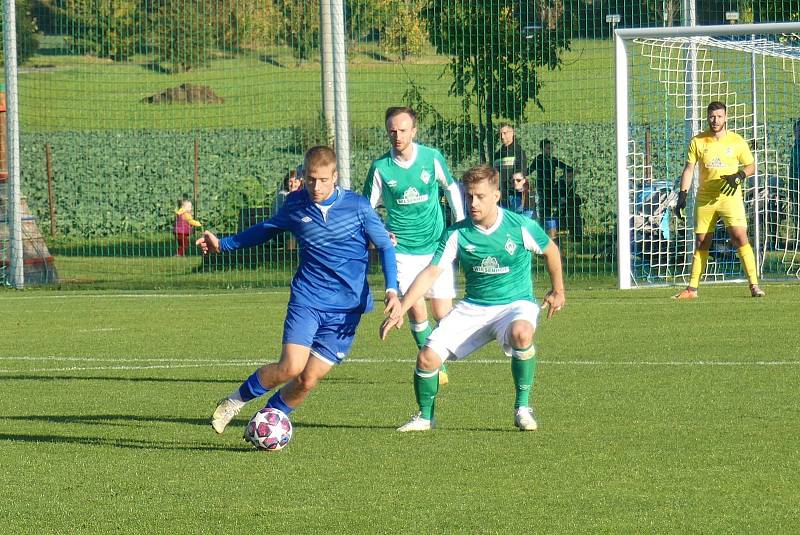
x=622, y=39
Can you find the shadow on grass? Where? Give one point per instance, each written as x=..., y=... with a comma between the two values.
x=270, y=60
x=393, y=428
x=104, y=419
x=121, y=443
x=29, y=377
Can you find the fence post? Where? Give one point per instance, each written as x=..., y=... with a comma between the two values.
x=51, y=198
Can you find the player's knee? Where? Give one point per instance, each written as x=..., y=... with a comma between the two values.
x=428, y=359
x=521, y=334
x=307, y=381
x=286, y=370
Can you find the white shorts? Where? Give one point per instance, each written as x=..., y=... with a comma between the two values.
x=409, y=266
x=469, y=327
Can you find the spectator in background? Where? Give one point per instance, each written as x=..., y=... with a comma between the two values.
x=291, y=182
x=559, y=203
x=509, y=159
x=183, y=224
x=519, y=200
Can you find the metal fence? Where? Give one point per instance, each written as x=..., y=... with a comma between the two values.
x=129, y=108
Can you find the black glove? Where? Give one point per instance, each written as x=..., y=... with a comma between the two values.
x=732, y=182
x=680, y=206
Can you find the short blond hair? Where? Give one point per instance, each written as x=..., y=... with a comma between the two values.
x=319, y=156
x=479, y=173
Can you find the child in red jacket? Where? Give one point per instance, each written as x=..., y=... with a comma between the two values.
x=183, y=224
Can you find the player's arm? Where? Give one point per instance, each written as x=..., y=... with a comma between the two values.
x=450, y=187
x=422, y=283
x=734, y=180
x=556, y=297
x=373, y=187
x=257, y=234
x=536, y=240
x=683, y=189
x=379, y=237
x=445, y=254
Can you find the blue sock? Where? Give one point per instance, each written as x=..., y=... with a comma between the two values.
x=276, y=402
x=252, y=388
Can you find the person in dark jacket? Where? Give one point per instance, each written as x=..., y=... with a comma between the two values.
x=509, y=159
x=559, y=203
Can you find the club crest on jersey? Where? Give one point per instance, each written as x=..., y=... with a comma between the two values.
x=425, y=176
x=510, y=246
x=490, y=266
x=412, y=196
x=729, y=151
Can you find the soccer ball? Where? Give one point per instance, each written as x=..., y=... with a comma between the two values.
x=268, y=429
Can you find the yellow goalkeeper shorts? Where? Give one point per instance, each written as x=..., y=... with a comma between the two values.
x=730, y=209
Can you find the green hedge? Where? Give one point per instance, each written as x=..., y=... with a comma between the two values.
x=127, y=182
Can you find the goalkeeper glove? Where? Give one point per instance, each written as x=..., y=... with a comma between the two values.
x=680, y=205
x=732, y=182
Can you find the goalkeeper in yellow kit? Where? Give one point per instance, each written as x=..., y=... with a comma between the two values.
x=719, y=154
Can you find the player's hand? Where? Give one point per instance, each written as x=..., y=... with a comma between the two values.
x=208, y=243
x=393, y=305
x=393, y=238
x=553, y=302
x=388, y=323
x=732, y=182
x=680, y=205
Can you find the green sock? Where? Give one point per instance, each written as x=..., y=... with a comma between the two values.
x=420, y=332
x=523, y=372
x=426, y=386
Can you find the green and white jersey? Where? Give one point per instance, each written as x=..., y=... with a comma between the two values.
x=496, y=261
x=409, y=190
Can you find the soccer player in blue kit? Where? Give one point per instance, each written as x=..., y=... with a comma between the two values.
x=329, y=291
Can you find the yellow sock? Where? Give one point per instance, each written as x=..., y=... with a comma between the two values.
x=749, y=262
x=699, y=261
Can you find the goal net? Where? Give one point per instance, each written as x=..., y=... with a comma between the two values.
x=665, y=78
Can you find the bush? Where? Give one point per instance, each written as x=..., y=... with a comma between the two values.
x=27, y=36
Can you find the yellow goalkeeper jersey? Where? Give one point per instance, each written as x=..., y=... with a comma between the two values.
x=717, y=157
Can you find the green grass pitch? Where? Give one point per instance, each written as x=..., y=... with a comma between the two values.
x=655, y=417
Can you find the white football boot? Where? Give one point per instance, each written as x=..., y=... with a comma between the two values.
x=224, y=413
x=416, y=423
x=524, y=420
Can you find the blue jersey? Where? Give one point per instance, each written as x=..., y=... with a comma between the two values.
x=334, y=253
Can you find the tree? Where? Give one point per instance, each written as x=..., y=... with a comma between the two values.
x=298, y=26
x=664, y=12
x=184, y=32
x=27, y=36
x=497, y=47
x=246, y=24
x=103, y=28
x=406, y=32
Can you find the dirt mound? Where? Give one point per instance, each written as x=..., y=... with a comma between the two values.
x=185, y=94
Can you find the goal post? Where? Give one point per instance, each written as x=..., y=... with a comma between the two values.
x=665, y=78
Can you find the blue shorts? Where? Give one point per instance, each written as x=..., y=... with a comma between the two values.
x=328, y=334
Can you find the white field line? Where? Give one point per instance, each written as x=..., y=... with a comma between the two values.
x=175, y=363
x=138, y=296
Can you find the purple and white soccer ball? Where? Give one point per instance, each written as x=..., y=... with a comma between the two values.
x=269, y=429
